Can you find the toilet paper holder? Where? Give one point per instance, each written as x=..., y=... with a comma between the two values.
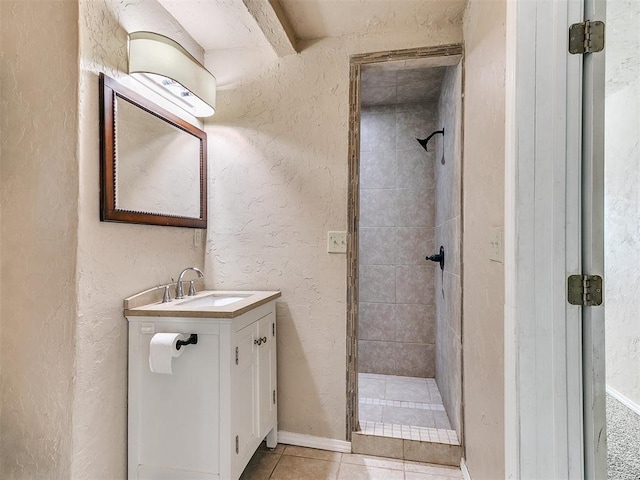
x=192, y=340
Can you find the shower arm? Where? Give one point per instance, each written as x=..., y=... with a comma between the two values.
x=424, y=142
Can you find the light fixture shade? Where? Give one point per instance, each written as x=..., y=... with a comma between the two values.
x=155, y=56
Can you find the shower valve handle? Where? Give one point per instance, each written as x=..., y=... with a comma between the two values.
x=438, y=257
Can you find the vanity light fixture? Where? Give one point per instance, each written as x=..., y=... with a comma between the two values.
x=167, y=68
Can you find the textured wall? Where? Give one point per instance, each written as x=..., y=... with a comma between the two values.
x=448, y=290
x=81, y=268
x=280, y=162
x=38, y=193
x=483, y=210
x=622, y=198
x=114, y=260
x=396, y=324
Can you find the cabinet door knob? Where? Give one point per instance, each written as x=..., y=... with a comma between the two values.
x=258, y=341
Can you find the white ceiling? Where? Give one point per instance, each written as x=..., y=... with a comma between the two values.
x=335, y=18
x=217, y=24
x=224, y=24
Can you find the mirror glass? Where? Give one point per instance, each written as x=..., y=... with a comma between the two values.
x=154, y=164
x=149, y=174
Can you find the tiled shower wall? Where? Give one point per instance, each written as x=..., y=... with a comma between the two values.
x=397, y=220
x=448, y=174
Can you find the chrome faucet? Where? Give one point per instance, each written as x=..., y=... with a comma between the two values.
x=179, y=290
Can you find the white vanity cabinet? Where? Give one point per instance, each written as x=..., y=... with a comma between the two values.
x=206, y=419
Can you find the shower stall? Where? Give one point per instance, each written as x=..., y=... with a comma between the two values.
x=409, y=308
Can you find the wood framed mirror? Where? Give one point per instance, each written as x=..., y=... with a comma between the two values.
x=153, y=166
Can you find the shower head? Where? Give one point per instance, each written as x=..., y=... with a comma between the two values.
x=424, y=141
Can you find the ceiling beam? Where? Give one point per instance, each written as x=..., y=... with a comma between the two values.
x=275, y=25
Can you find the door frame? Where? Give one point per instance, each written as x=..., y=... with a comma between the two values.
x=595, y=397
x=353, y=203
x=545, y=370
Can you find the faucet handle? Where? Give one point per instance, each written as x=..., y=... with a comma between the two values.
x=192, y=288
x=179, y=291
x=166, y=298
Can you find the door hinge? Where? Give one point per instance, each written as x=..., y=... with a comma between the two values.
x=273, y=329
x=586, y=37
x=585, y=290
x=237, y=444
x=237, y=356
x=274, y=397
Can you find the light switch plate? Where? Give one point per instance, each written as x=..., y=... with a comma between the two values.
x=197, y=237
x=337, y=242
x=495, y=245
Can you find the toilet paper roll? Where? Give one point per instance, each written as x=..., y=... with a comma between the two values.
x=162, y=350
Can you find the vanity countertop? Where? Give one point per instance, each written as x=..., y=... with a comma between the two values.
x=149, y=303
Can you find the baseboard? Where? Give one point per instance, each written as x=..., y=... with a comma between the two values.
x=465, y=472
x=633, y=406
x=311, y=441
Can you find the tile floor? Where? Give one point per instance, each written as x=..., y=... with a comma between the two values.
x=403, y=407
x=288, y=462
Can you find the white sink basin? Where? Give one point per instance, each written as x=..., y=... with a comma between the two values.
x=213, y=300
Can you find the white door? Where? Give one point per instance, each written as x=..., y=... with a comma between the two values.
x=554, y=363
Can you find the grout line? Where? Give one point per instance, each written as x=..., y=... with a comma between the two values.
x=407, y=432
x=436, y=407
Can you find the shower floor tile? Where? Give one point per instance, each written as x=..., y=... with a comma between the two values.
x=403, y=407
x=371, y=386
x=408, y=416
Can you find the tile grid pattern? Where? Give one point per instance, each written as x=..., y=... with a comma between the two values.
x=407, y=432
x=396, y=231
x=448, y=233
x=398, y=403
x=288, y=462
x=391, y=406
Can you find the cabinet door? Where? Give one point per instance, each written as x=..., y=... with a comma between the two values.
x=174, y=420
x=243, y=400
x=267, y=374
